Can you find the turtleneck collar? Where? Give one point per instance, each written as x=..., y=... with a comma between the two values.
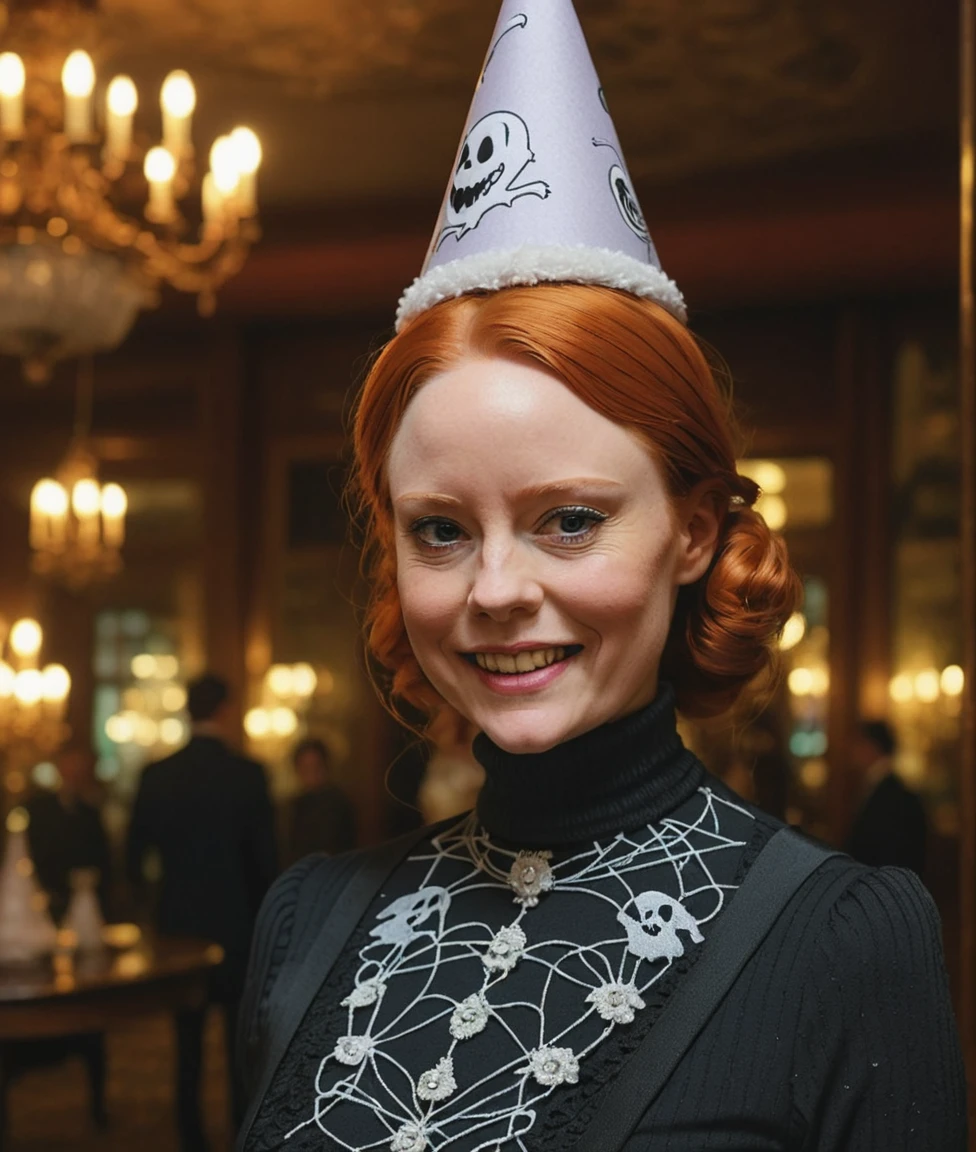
x=615, y=778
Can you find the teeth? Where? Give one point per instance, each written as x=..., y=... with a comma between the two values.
x=527, y=661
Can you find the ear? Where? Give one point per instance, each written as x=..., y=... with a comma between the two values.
x=700, y=516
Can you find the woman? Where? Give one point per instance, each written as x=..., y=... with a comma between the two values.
x=563, y=553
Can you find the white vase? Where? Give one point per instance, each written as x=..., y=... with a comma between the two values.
x=84, y=915
x=26, y=929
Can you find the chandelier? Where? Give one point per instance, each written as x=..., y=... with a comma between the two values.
x=95, y=215
x=33, y=701
x=77, y=526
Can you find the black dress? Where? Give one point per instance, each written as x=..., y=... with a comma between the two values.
x=517, y=958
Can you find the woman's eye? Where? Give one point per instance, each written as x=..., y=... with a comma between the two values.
x=436, y=533
x=572, y=523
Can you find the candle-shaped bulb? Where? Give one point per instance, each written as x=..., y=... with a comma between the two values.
x=122, y=96
x=12, y=80
x=28, y=686
x=55, y=683
x=48, y=513
x=247, y=156
x=177, y=98
x=26, y=638
x=160, y=170
x=114, y=506
x=121, y=102
x=78, y=81
x=85, y=498
x=223, y=165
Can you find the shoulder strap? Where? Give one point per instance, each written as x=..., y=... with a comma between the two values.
x=362, y=884
x=777, y=873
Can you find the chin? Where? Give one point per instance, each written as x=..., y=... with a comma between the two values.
x=523, y=733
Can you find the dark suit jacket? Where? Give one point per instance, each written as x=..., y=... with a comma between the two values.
x=64, y=835
x=206, y=811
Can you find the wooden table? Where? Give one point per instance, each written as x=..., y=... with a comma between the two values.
x=90, y=992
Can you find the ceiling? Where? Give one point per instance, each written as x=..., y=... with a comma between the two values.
x=364, y=100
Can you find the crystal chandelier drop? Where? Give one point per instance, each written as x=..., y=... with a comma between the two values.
x=94, y=214
x=77, y=526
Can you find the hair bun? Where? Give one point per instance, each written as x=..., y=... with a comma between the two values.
x=725, y=627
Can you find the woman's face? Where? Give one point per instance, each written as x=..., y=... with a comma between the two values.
x=538, y=553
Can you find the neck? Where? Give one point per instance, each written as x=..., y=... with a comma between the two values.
x=612, y=779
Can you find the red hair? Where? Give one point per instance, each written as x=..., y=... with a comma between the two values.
x=629, y=360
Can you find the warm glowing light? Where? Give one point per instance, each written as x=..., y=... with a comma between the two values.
x=303, y=680
x=800, y=681
x=56, y=683
x=28, y=686
x=49, y=498
x=122, y=97
x=773, y=510
x=223, y=165
x=819, y=681
x=174, y=698
x=120, y=728
x=769, y=476
x=18, y=820
x=78, y=74
x=284, y=722
x=257, y=723
x=178, y=96
x=167, y=667
x=247, y=150
x=26, y=637
x=145, y=731
x=114, y=501
x=86, y=498
x=281, y=680
x=901, y=689
x=7, y=676
x=159, y=166
x=793, y=631
x=952, y=680
x=171, y=731
x=813, y=774
x=12, y=75
x=927, y=685
x=143, y=666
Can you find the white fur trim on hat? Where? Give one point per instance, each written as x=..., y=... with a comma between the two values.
x=528, y=264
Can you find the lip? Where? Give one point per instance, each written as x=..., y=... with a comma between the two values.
x=521, y=683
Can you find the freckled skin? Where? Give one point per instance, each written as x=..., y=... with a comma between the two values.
x=496, y=562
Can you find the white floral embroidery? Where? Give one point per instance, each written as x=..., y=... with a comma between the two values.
x=364, y=994
x=410, y=1138
x=469, y=1017
x=505, y=949
x=352, y=1049
x=553, y=1066
x=616, y=1002
x=439, y=1082
x=530, y=876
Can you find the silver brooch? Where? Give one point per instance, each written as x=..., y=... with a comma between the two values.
x=530, y=876
x=438, y=1083
x=553, y=1066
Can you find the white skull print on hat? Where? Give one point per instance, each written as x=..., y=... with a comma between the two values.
x=540, y=190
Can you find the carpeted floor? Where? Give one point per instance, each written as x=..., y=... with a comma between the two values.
x=48, y=1107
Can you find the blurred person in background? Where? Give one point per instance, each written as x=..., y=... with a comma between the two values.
x=320, y=817
x=206, y=811
x=890, y=826
x=66, y=830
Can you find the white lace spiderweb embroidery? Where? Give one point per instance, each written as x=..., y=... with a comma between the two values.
x=476, y=994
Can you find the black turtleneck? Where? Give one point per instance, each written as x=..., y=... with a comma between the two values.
x=612, y=779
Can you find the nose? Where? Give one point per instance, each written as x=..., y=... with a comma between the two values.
x=504, y=585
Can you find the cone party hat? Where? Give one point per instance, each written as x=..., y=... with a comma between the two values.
x=540, y=190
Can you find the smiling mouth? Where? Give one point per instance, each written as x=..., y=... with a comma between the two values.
x=518, y=663
x=462, y=198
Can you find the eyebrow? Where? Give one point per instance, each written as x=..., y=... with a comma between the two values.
x=535, y=491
